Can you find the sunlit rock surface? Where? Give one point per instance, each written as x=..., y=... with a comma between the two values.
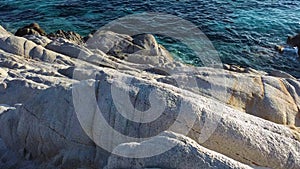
x=54, y=94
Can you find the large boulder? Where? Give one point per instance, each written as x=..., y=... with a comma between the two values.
x=141, y=49
x=111, y=43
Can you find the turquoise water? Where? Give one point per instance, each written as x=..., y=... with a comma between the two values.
x=243, y=33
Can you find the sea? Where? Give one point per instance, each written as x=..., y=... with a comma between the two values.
x=243, y=32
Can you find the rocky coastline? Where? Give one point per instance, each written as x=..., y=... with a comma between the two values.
x=253, y=116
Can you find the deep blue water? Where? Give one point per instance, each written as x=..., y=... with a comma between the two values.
x=243, y=32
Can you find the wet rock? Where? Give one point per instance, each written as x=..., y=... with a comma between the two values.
x=31, y=29
x=294, y=41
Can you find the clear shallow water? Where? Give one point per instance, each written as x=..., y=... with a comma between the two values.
x=243, y=33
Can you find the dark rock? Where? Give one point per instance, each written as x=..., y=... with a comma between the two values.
x=68, y=72
x=31, y=29
x=294, y=42
x=157, y=71
x=69, y=35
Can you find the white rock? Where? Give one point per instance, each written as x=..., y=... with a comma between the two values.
x=185, y=154
x=42, y=121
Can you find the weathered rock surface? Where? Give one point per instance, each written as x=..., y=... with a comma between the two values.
x=185, y=154
x=39, y=40
x=219, y=118
x=69, y=35
x=141, y=49
x=264, y=96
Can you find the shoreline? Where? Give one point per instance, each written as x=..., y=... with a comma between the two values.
x=243, y=36
x=226, y=117
x=74, y=37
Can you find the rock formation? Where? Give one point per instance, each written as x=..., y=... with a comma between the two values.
x=69, y=35
x=294, y=41
x=54, y=92
x=31, y=29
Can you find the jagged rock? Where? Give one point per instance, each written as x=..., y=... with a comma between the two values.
x=31, y=29
x=69, y=35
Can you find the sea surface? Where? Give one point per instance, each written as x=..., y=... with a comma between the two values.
x=243, y=32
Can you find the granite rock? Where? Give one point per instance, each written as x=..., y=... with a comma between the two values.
x=53, y=98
